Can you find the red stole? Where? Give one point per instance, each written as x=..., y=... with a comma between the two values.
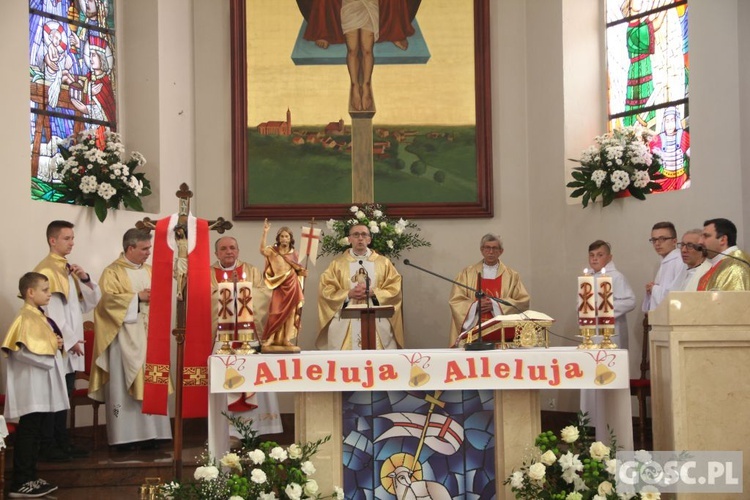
x=703, y=282
x=198, y=338
x=491, y=288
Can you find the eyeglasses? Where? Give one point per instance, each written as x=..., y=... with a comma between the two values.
x=690, y=246
x=491, y=249
x=660, y=239
x=359, y=235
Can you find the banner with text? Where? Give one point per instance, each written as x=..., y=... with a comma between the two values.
x=431, y=369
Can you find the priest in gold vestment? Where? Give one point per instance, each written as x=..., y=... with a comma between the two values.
x=730, y=266
x=342, y=284
x=120, y=322
x=497, y=280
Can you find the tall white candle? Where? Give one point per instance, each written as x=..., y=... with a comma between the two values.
x=586, y=300
x=605, y=300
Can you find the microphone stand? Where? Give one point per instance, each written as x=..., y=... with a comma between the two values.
x=478, y=344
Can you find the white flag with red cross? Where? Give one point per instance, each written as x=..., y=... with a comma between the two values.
x=309, y=244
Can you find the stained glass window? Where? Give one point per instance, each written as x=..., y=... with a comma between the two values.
x=72, y=79
x=648, y=78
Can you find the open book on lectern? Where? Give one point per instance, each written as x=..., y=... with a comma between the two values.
x=501, y=325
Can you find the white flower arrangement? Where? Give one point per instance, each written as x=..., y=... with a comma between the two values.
x=619, y=162
x=389, y=237
x=265, y=471
x=94, y=173
x=572, y=467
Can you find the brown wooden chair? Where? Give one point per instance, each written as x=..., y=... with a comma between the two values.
x=641, y=387
x=80, y=397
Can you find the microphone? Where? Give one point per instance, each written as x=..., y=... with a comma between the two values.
x=702, y=248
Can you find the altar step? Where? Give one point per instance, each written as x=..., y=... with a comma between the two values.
x=114, y=475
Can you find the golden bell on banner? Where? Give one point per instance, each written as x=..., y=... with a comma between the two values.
x=232, y=378
x=604, y=375
x=417, y=376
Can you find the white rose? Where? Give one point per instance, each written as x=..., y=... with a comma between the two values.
x=294, y=451
x=605, y=488
x=373, y=224
x=569, y=434
x=330, y=224
x=293, y=491
x=206, y=472
x=308, y=468
x=390, y=244
x=257, y=457
x=235, y=497
x=311, y=488
x=384, y=225
x=258, y=476
x=339, y=492
x=599, y=451
x=360, y=215
x=611, y=465
x=231, y=460
x=537, y=471
x=598, y=497
x=344, y=242
x=643, y=456
x=574, y=496
x=374, y=229
x=278, y=453
x=650, y=495
x=377, y=213
x=398, y=229
x=548, y=458
x=354, y=209
x=267, y=496
x=516, y=480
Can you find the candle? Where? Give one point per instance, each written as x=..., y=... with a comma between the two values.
x=605, y=305
x=225, y=311
x=244, y=305
x=586, y=300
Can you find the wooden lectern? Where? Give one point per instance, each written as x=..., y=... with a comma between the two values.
x=367, y=316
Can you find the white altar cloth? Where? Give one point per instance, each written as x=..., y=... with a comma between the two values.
x=427, y=370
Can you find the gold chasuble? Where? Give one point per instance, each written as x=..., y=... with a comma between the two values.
x=729, y=274
x=32, y=330
x=109, y=316
x=461, y=300
x=55, y=268
x=333, y=291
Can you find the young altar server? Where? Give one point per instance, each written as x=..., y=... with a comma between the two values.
x=35, y=382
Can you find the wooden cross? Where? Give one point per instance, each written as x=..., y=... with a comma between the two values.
x=181, y=234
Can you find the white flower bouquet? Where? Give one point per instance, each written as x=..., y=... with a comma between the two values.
x=94, y=173
x=619, y=162
x=389, y=237
x=265, y=471
x=571, y=467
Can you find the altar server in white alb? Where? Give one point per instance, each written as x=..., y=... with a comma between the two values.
x=120, y=320
x=35, y=385
x=74, y=293
x=600, y=262
x=664, y=240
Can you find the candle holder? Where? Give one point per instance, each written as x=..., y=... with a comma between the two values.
x=607, y=334
x=245, y=334
x=587, y=333
x=225, y=335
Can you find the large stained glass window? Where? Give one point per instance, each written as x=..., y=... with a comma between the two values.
x=72, y=79
x=648, y=78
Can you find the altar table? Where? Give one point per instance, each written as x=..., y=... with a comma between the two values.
x=516, y=376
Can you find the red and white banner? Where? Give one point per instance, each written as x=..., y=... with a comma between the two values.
x=427, y=370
